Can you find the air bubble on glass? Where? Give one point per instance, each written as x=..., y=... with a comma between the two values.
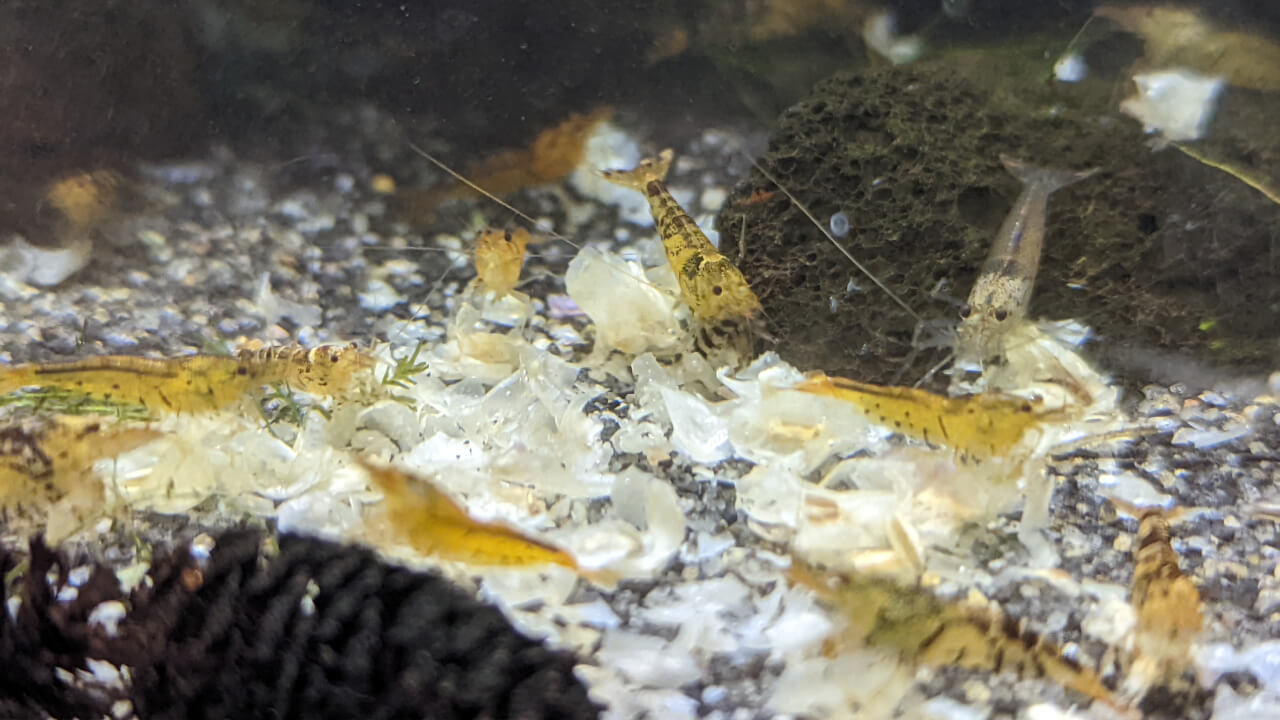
x=840, y=224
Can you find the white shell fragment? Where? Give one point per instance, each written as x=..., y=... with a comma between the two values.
x=880, y=33
x=44, y=267
x=630, y=312
x=1070, y=68
x=1179, y=104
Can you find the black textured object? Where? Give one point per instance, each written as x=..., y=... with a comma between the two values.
x=320, y=630
x=45, y=635
x=381, y=642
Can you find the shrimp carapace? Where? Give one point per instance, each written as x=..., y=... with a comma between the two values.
x=435, y=524
x=189, y=384
x=1002, y=292
x=978, y=427
x=727, y=311
x=198, y=383
x=500, y=257
x=323, y=370
x=925, y=630
x=1166, y=601
x=48, y=459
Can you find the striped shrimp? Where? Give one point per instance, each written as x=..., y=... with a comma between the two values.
x=925, y=630
x=198, y=383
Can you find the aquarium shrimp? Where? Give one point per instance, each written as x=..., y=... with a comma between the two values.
x=550, y=158
x=1166, y=602
x=1002, y=292
x=329, y=370
x=198, y=383
x=433, y=523
x=48, y=459
x=977, y=427
x=925, y=630
x=86, y=199
x=499, y=258
x=189, y=384
x=727, y=311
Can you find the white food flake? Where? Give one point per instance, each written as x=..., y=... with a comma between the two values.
x=1179, y=104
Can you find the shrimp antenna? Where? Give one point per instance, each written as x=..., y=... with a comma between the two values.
x=1075, y=38
x=460, y=178
x=835, y=242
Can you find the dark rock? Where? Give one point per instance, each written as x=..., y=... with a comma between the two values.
x=320, y=630
x=1145, y=252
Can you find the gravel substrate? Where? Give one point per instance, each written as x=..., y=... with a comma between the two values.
x=704, y=625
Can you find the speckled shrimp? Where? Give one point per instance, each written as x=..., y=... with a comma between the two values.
x=324, y=370
x=727, y=310
x=999, y=299
x=47, y=459
x=1166, y=601
x=174, y=385
x=500, y=257
x=977, y=427
x=199, y=383
x=925, y=630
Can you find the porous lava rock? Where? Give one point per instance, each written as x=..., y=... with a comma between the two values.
x=1161, y=255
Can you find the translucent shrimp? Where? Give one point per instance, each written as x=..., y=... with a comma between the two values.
x=925, y=630
x=1002, y=293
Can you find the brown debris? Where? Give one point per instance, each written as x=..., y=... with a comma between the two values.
x=554, y=153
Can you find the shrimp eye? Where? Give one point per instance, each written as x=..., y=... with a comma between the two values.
x=1001, y=314
x=965, y=311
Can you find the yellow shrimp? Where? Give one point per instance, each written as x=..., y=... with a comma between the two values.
x=190, y=384
x=499, y=258
x=1167, y=601
x=978, y=427
x=925, y=630
x=199, y=383
x=727, y=310
x=324, y=370
x=49, y=459
x=437, y=525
